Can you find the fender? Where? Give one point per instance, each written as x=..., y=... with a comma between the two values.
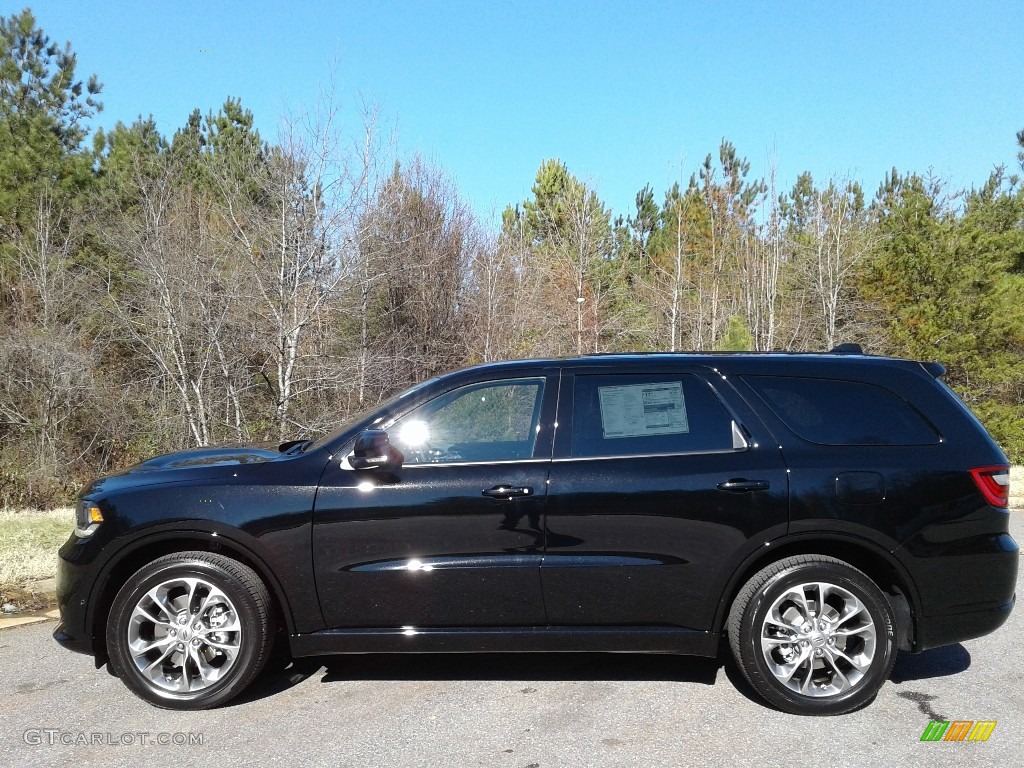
x=814, y=542
x=213, y=534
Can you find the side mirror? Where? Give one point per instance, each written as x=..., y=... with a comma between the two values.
x=373, y=450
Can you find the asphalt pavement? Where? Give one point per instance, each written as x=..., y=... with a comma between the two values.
x=514, y=711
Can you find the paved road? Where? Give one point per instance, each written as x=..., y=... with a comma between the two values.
x=520, y=711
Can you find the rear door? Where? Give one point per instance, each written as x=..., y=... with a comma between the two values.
x=662, y=480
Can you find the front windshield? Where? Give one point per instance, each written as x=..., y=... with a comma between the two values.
x=384, y=409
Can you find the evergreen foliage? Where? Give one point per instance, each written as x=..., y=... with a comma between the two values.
x=163, y=290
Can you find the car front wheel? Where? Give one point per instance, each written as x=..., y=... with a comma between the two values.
x=813, y=635
x=190, y=630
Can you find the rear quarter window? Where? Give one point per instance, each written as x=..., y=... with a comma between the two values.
x=841, y=412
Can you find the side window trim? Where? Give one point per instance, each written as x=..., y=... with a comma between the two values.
x=739, y=440
x=622, y=456
x=478, y=462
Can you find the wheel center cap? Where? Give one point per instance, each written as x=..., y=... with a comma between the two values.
x=184, y=635
x=818, y=640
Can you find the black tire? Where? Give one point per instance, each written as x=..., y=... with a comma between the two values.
x=836, y=665
x=190, y=630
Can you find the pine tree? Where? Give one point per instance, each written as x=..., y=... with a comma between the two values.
x=43, y=110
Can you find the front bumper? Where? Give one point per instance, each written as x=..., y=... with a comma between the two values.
x=67, y=640
x=74, y=583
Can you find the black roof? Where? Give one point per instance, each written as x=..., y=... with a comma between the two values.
x=845, y=355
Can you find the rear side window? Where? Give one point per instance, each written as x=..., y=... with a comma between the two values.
x=621, y=415
x=834, y=412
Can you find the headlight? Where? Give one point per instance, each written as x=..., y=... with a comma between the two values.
x=87, y=518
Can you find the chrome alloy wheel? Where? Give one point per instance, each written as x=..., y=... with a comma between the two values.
x=818, y=639
x=184, y=635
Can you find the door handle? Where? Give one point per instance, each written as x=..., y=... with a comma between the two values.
x=507, y=492
x=743, y=486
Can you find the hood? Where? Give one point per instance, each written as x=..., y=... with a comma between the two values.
x=208, y=457
x=199, y=464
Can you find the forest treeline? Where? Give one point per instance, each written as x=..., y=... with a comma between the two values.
x=160, y=291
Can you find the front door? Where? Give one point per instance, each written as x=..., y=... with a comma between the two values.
x=455, y=536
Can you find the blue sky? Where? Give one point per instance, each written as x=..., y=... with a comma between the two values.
x=624, y=94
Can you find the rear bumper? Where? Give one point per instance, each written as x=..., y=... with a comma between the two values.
x=966, y=586
x=935, y=631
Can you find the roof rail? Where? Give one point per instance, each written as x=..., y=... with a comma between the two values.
x=846, y=349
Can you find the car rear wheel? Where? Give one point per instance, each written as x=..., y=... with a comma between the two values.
x=813, y=635
x=190, y=630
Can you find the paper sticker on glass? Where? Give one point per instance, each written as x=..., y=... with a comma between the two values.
x=643, y=409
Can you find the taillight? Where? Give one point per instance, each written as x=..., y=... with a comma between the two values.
x=994, y=484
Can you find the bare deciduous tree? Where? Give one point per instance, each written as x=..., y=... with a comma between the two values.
x=182, y=289
x=837, y=239
x=300, y=240
x=417, y=238
x=763, y=258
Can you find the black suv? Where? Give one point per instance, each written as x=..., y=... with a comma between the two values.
x=820, y=511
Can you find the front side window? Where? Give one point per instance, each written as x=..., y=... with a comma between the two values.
x=493, y=421
x=621, y=415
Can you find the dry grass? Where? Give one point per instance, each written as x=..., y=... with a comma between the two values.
x=29, y=540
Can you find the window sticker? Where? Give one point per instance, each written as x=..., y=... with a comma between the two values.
x=643, y=409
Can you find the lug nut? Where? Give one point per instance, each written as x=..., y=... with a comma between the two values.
x=181, y=646
x=173, y=633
